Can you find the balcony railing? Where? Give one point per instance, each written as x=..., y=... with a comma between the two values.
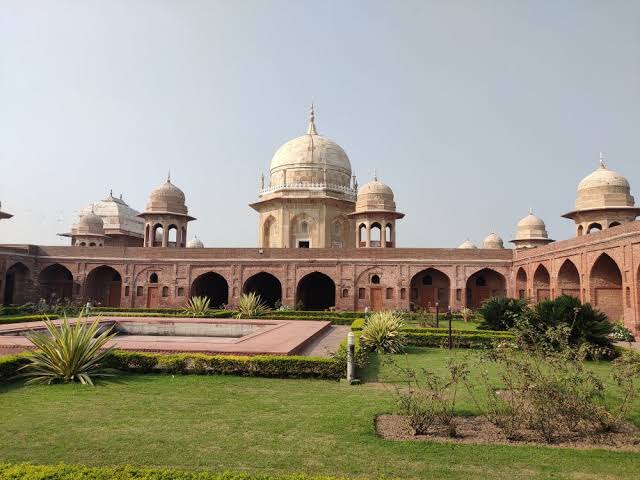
x=310, y=186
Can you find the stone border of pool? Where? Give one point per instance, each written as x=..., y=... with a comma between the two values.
x=280, y=337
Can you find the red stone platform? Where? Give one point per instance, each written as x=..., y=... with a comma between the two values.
x=275, y=337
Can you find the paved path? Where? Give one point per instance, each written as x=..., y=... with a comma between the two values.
x=326, y=343
x=634, y=345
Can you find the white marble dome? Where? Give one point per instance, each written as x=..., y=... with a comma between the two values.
x=195, y=242
x=531, y=227
x=118, y=217
x=90, y=224
x=603, y=188
x=310, y=159
x=167, y=198
x=467, y=244
x=493, y=241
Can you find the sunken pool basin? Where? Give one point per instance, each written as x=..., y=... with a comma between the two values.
x=172, y=335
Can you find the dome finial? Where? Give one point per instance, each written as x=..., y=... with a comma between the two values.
x=530, y=211
x=169, y=176
x=111, y=192
x=602, y=165
x=312, y=121
x=375, y=175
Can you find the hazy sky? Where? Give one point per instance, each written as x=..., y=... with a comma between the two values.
x=472, y=111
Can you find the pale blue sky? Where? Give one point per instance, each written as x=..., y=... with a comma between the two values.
x=473, y=111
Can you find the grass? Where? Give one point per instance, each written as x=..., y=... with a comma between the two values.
x=260, y=425
x=455, y=324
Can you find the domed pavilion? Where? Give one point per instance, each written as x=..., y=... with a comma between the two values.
x=603, y=201
x=310, y=194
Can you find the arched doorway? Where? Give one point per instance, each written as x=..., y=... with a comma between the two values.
x=103, y=286
x=265, y=285
x=428, y=287
x=213, y=286
x=316, y=291
x=521, y=284
x=16, y=285
x=484, y=284
x=56, y=283
x=605, y=283
x=569, y=279
x=541, y=284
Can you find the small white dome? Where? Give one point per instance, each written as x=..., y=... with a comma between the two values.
x=603, y=177
x=467, y=244
x=531, y=221
x=493, y=241
x=90, y=224
x=375, y=196
x=195, y=242
x=167, y=198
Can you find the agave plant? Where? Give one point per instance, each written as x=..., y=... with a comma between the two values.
x=68, y=353
x=197, y=306
x=383, y=333
x=251, y=305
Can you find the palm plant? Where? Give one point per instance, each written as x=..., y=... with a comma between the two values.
x=383, y=333
x=68, y=353
x=197, y=306
x=251, y=305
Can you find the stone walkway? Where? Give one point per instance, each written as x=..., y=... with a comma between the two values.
x=326, y=343
x=634, y=345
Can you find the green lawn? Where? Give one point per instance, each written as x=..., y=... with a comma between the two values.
x=455, y=324
x=265, y=425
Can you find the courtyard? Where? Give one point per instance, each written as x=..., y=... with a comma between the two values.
x=266, y=426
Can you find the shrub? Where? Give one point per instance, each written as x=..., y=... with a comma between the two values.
x=201, y=364
x=466, y=314
x=461, y=339
x=197, y=306
x=429, y=397
x=251, y=305
x=549, y=390
x=500, y=313
x=26, y=318
x=383, y=333
x=586, y=324
x=9, y=365
x=620, y=333
x=69, y=353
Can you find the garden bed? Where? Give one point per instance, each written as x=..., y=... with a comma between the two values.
x=478, y=430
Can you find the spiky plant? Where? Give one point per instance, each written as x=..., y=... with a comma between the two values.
x=68, y=353
x=383, y=333
x=251, y=305
x=197, y=306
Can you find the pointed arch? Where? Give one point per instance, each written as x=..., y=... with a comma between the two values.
x=316, y=291
x=429, y=286
x=569, y=279
x=213, y=286
x=103, y=286
x=270, y=232
x=267, y=286
x=17, y=284
x=541, y=284
x=521, y=283
x=605, y=285
x=56, y=283
x=484, y=284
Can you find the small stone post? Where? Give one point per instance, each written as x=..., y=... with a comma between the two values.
x=351, y=359
x=366, y=315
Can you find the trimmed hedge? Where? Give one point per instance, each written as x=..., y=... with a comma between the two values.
x=13, y=310
x=27, y=318
x=79, y=472
x=271, y=366
x=460, y=340
x=9, y=365
x=250, y=366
